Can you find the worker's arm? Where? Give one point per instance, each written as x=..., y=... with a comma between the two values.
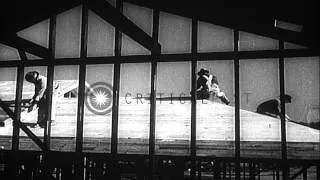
x=38, y=95
x=43, y=85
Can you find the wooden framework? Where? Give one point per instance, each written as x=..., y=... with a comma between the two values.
x=288, y=53
x=122, y=24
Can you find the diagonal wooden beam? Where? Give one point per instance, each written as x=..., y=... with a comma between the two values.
x=25, y=45
x=300, y=172
x=30, y=134
x=103, y=9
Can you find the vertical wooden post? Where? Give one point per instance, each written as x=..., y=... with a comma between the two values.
x=17, y=108
x=283, y=112
x=82, y=77
x=13, y=168
x=46, y=171
x=115, y=106
x=116, y=85
x=237, y=104
x=194, y=42
x=81, y=93
x=50, y=74
x=154, y=54
x=115, y=96
x=152, y=118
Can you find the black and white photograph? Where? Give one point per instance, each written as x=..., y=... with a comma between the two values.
x=159, y=90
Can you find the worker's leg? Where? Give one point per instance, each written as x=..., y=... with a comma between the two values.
x=224, y=99
x=222, y=96
x=42, y=113
x=202, y=95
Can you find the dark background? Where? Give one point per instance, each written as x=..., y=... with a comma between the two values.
x=251, y=16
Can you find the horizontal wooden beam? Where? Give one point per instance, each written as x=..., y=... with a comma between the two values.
x=110, y=14
x=25, y=45
x=264, y=54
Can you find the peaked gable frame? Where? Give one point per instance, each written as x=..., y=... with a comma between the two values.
x=242, y=23
x=154, y=46
x=103, y=9
x=11, y=39
x=111, y=14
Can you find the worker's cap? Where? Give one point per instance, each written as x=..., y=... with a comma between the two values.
x=203, y=71
x=31, y=76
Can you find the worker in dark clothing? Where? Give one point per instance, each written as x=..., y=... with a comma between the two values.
x=202, y=91
x=272, y=107
x=39, y=99
x=208, y=84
